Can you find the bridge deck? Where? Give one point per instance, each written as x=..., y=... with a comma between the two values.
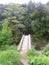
x=25, y=44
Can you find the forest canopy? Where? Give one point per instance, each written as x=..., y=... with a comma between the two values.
x=16, y=20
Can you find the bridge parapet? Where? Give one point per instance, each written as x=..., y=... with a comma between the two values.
x=20, y=44
x=29, y=41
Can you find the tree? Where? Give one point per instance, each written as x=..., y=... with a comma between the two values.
x=40, y=25
x=31, y=6
x=5, y=34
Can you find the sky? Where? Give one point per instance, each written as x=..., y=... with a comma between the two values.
x=21, y=1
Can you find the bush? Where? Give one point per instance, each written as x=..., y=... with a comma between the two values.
x=9, y=57
x=5, y=34
x=32, y=52
x=34, y=58
x=40, y=60
x=7, y=47
x=46, y=50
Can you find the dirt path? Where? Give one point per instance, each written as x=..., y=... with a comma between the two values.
x=24, y=48
x=24, y=60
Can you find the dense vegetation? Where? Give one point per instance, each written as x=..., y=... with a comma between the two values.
x=16, y=20
x=9, y=55
x=36, y=58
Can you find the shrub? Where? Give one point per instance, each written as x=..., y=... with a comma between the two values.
x=32, y=52
x=40, y=60
x=46, y=50
x=7, y=47
x=34, y=58
x=9, y=57
x=5, y=34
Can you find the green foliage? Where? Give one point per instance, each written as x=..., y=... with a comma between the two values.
x=9, y=57
x=24, y=18
x=35, y=58
x=15, y=20
x=5, y=36
x=32, y=52
x=46, y=50
x=7, y=47
x=40, y=60
x=40, y=23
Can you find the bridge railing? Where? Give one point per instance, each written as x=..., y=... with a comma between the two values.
x=20, y=44
x=29, y=41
